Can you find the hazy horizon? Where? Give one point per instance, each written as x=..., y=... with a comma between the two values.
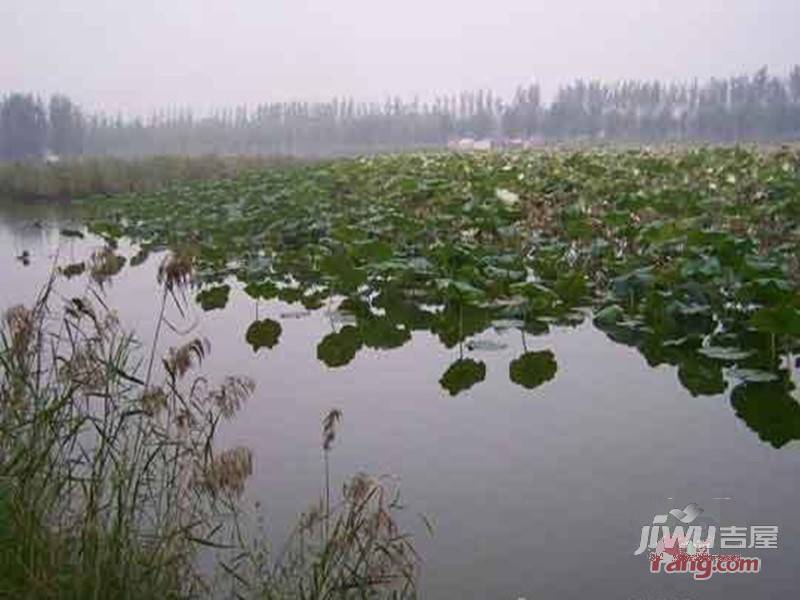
x=133, y=58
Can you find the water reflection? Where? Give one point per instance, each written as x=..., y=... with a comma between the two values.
x=769, y=409
x=712, y=352
x=263, y=334
x=392, y=358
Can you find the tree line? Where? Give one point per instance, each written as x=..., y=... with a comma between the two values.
x=757, y=107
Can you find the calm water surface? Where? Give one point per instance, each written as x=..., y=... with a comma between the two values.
x=533, y=494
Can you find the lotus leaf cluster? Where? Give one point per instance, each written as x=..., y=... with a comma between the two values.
x=689, y=256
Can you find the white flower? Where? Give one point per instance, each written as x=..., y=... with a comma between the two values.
x=508, y=198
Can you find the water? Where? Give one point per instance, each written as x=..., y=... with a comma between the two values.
x=532, y=493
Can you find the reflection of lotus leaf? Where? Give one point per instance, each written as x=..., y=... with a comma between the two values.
x=72, y=233
x=263, y=334
x=701, y=376
x=631, y=235
x=532, y=369
x=140, y=257
x=769, y=410
x=462, y=375
x=105, y=265
x=214, y=298
x=338, y=349
x=456, y=323
x=73, y=270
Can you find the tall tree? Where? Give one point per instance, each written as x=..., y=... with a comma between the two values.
x=23, y=127
x=66, y=127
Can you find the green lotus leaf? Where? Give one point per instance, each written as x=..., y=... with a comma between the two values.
x=610, y=315
x=781, y=320
x=701, y=376
x=379, y=332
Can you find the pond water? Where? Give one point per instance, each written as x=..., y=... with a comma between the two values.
x=532, y=493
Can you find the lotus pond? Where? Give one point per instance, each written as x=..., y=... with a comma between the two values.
x=546, y=349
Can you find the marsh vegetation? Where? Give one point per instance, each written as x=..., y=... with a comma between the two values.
x=478, y=268
x=112, y=483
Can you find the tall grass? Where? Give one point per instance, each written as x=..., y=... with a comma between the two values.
x=353, y=549
x=80, y=178
x=111, y=483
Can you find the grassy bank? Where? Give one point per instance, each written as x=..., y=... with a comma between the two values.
x=80, y=178
x=112, y=484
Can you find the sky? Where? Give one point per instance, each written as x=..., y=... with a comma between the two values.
x=133, y=56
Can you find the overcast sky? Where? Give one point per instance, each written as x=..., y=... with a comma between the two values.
x=133, y=55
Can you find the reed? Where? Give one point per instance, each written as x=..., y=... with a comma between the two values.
x=112, y=484
x=84, y=177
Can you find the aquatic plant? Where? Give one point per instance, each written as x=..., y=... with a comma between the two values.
x=112, y=485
